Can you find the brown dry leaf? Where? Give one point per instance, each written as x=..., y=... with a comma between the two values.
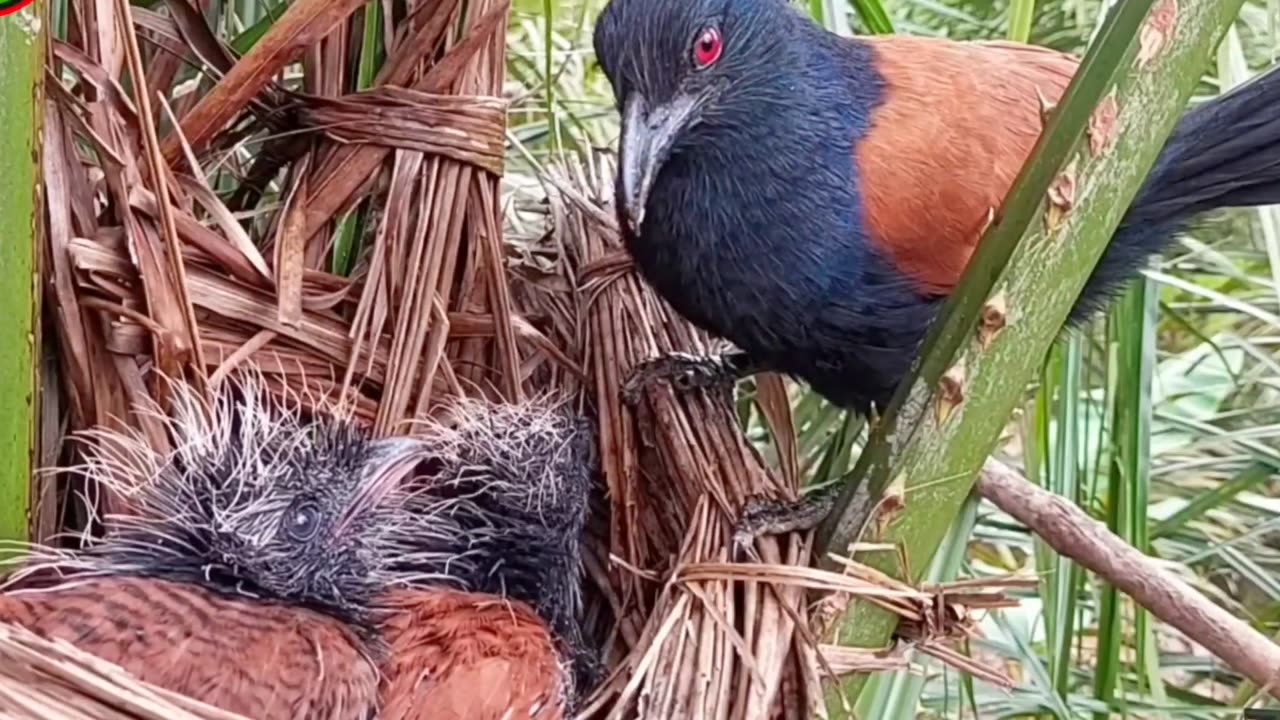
x=891, y=505
x=847, y=660
x=466, y=128
x=152, y=271
x=302, y=24
x=932, y=617
x=290, y=253
x=345, y=171
x=197, y=36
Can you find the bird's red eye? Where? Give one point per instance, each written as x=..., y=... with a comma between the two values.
x=706, y=49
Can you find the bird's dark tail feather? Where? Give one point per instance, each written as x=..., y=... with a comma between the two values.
x=1223, y=153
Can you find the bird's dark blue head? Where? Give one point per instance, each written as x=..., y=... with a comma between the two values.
x=685, y=71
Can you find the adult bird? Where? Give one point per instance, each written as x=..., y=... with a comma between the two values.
x=814, y=198
x=283, y=567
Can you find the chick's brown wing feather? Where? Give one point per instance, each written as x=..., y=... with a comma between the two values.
x=459, y=656
x=266, y=661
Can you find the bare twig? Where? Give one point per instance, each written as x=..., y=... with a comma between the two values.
x=1073, y=534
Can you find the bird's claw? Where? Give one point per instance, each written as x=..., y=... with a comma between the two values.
x=684, y=372
x=762, y=516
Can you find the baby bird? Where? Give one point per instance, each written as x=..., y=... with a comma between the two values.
x=511, y=646
x=279, y=566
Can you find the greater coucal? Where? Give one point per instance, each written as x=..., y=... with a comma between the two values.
x=282, y=567
x=815, y=198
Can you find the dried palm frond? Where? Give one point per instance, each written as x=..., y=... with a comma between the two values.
x=200, y=221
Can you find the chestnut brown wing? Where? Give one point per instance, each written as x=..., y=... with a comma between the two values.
x=460, y=656
x=261, y=660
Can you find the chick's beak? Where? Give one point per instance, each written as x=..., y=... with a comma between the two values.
x=390, y=461
x=647, y=138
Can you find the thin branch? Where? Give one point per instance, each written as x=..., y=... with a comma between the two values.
x=1074, y=534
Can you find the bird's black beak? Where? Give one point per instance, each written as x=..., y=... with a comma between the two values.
x=647, y=138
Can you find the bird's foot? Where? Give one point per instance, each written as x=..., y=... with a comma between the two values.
x=774, y=517
x=685, y=373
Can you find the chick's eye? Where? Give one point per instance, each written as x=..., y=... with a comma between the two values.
x=707, y=47
x=302, y=522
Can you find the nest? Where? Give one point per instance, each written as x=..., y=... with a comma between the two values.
x=195, y=232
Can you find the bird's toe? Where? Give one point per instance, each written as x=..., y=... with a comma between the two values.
x=683, y=371
x=761, y=516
